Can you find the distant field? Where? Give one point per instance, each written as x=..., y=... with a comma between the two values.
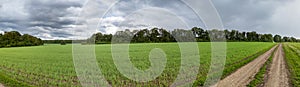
x=292, y=54
x=52, y=65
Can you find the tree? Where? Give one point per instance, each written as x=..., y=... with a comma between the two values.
x=15, y=39
x=199, y=33
x=217, y=35
x=252, y=36
x=277, y=38
x=182, y=35
x=63, y=42
x=166, y=36
x=154, y=35
x=242, y=36
x=1, y=40
x=285, y=39
x=142, y=36
x=292, y=39
x=266, y=38
x=195, y=34
x=233, y=35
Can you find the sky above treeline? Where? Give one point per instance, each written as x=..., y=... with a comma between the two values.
x=63, y=19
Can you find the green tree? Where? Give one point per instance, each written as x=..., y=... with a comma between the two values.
x=199, y=34
x=1, y=40
x=286, y=39
x=155, y=35
x=266, y=38
x=292, y=39
x=15, y=39
x=166, y=36
x=142, y=36
x=277, y=38
x=252, y=36
x=63, y=42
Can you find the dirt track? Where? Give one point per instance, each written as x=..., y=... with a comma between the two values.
x=278, y=74
x=244, y=75
x=1, y=85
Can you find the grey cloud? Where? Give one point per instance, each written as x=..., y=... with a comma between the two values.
x=54, y=19
x=47, y=13
x=12, y=15
x=246, y=12
x=176, y=7
x=264, y=16
x=38, y=16
x=62, y=34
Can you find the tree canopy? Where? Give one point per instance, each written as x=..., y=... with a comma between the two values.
x=15, y=39
x=156, y=35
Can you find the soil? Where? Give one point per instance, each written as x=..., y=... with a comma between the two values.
x=278, y=74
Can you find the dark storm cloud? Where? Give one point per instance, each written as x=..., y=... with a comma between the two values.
x=36, y=17
x=49, y=13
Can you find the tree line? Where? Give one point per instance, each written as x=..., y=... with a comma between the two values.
x=15, y=39
x=58, y=41
x=157, y=35
x=154, y=35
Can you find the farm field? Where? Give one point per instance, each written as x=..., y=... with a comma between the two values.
x=292, y=54
x=52, y=65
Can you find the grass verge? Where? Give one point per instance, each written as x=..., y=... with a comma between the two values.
x=292, y=60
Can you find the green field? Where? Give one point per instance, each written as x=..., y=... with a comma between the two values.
x=52, y=65
x=292, y=54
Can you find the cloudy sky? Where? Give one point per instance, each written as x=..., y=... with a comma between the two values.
x=74, y=19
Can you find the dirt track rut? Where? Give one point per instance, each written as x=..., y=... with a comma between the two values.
x=245, y=74
x=278, y=74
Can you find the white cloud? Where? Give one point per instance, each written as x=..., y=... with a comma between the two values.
x=1, y=32
x=112, y=19
x=13, y=9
